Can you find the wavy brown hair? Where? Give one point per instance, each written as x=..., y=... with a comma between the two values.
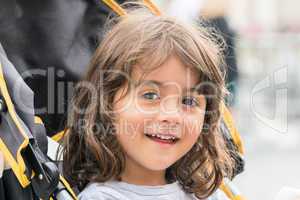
x=91, y=151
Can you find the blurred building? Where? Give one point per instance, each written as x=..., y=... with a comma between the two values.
x=266, y=15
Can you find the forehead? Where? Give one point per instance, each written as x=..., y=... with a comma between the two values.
x=171, y=73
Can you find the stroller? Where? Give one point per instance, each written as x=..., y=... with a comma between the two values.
x=25, y=140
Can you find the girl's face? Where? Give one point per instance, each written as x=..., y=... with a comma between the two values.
x=160, y=120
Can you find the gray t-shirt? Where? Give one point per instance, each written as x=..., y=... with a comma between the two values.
x=115, y=190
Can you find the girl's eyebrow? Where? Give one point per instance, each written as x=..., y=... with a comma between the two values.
x=150, y=82
x=161, y=84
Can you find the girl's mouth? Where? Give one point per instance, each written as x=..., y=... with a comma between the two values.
x=161, y=138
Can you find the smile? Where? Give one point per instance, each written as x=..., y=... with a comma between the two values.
x=161, y=138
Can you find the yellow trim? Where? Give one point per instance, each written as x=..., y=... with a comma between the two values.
x=66, y=184
x=38, y=120
x=19, y=166
x=227, y=191
x=232, y=129
x=238, y=197
x=115, y=7
x=151, y=6
x=18, y=171
x=58, y=136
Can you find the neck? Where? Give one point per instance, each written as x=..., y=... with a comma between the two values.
x=139, y=175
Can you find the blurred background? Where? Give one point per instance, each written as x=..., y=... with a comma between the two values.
x=265, y=55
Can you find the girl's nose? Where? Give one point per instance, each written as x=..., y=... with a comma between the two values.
x=170, y=111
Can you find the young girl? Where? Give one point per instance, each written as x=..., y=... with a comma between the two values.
x=144, y=123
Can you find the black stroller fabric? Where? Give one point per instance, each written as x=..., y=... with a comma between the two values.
x=50, y=43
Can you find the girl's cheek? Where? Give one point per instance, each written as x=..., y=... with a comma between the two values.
x=146, y=108
x=193, y=125
x=133, y=128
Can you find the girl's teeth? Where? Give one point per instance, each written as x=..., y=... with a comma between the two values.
x=163, y=137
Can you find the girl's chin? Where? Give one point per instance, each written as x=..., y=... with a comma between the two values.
x=158, y=166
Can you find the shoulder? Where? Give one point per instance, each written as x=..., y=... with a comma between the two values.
x=99, y=191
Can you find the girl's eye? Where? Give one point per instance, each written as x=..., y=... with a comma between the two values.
x=151, y=95
x=190, y=101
